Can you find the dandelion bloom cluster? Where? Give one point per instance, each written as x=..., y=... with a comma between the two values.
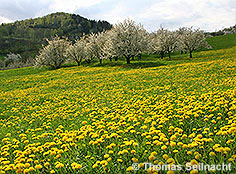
x=103, y=119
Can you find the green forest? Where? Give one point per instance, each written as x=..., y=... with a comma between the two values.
x=27, y=36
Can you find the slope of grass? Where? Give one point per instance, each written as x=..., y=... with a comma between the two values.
x=103, y=118
x=222, y=42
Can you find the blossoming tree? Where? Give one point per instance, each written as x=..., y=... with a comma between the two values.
x=128, y=39
x=192, y=39
x=54, y=54
x=164, y=41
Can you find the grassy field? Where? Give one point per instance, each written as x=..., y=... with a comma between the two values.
x=104, y=118
x=222, y=42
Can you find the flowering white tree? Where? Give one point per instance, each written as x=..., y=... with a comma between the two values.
x=143, y=43
x=96, y=44
x=77, y=51
x=128, y=39
x=89, y=47
x=192, y=39
x=164, y=41
x=180, y=32
x=109, y=48
x=54, y=54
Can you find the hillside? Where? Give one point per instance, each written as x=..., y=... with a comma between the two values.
x=27, y=36
x=229, y=30
x=92, y=119
x=222, y=41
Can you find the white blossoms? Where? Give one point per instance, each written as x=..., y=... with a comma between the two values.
x=126, y=39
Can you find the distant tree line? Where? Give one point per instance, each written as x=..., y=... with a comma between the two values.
x=229, y=30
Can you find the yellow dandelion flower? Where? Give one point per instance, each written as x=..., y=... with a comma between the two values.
x=38, y=166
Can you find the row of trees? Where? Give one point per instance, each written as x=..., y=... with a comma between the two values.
x=126, y=39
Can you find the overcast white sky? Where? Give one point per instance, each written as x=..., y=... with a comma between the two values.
x=209, y=15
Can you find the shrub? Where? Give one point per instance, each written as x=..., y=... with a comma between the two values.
x=12, y=58
x=2, y=64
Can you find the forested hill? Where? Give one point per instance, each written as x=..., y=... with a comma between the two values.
x=27, y=36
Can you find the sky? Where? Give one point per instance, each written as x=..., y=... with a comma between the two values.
x=209, y=15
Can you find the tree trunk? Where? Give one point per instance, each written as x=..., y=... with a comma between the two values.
x=169, y=54
x=162, y=55
x=88, y=61
x=110, y=59
x=140, y=56
x=78, y=62
x=128, y=60
x=57, y=66
x=100, y=60
x=116, y=58
x=190, y=52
